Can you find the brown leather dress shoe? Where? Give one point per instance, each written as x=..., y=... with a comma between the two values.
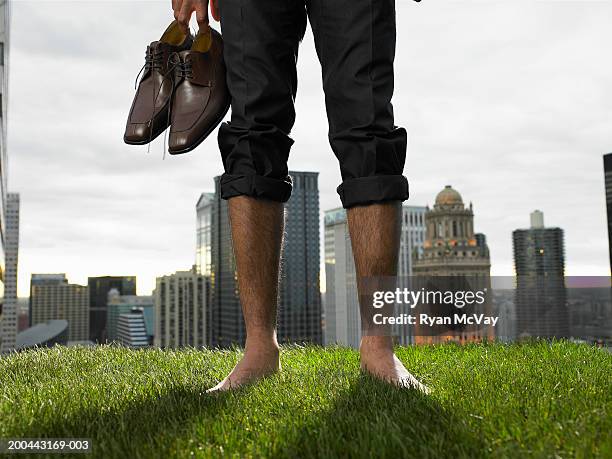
x=149, y=114
x=201, y=98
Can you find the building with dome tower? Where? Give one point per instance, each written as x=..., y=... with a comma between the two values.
x=451, y=246
x=452, y=250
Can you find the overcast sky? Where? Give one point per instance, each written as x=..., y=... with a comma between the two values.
x=508, y=101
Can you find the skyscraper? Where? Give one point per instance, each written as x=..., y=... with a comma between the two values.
x=42, y=279
x=342, y=320
x=132, y=330
x=98, y=296
x=53, y=298
x=124, y=304
x=608, y=182
x=181, y=310
x=412, y=237
x=226, y=325
x=299, y=311
x=4, y=51
x=299, y=307
x=452, y=247
x=204, y=209
x=8, y=324
x=452, y=251
x=412, y=241
x=541, y=297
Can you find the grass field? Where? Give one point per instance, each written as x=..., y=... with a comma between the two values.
x=536, y=400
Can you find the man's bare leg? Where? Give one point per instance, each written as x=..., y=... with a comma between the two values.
x=375, y=237
x=257, y=233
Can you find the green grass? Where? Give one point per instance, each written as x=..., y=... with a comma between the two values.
x=536, y=400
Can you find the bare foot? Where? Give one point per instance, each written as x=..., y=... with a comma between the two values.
x=379, y=360
x=254, y=365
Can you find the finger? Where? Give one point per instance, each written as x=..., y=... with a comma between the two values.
x=214, y=9
x=176, y=8
x=185, y=16
x=201, y=9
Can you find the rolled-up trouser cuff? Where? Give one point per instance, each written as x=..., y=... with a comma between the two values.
x=368, y=190
x=256, y=186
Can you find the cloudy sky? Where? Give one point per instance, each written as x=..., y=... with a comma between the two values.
x=508, y=101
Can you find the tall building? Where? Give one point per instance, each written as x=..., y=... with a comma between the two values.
x=118, y=304
x=412, y=237
x=23, y=314
x=299, y=311
x=342, y=320
x=42, y=279
x=53, y=298
x=299, y=307
x=181, y=310
x=226, y=325
x=541, y=297
x=451, y=246
x=4, y=55
x=411, y=245
x=132, y=330
x=98, y=296
x=204, y=210
x=608, y=182
x=452, y=251
x=8, y=322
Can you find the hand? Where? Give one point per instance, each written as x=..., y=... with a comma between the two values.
x=183, y=9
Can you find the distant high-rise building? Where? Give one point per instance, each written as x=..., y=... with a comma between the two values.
x=608, y=181
x=181, y=310
x=451, y=246
x=4, y=54
x=118, y=304
x=412, y=237
x=8, y=321
x=299, y=310
x=453, y=251
x=204, y=209
x=342, y=319
x=541, y=297
x=411, y=245
x=132, y=330
x=299, y=307
x=43, y=279
x=53, y=298
x=23, y=314
x=98, y=296
x=226, y=325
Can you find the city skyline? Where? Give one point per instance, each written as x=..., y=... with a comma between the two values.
x=534, y=118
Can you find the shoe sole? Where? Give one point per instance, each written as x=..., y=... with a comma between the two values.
x=201, y=139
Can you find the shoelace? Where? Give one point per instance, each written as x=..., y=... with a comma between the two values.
x=186, y=69
x=174, y=62
x=154, y=61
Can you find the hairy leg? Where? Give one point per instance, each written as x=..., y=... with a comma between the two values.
x=257, y=232
x=375, y=238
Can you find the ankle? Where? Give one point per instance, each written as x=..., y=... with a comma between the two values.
x=376, y=345
x=262, y=345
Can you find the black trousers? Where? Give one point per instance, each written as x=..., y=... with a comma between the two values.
x=355, y=42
